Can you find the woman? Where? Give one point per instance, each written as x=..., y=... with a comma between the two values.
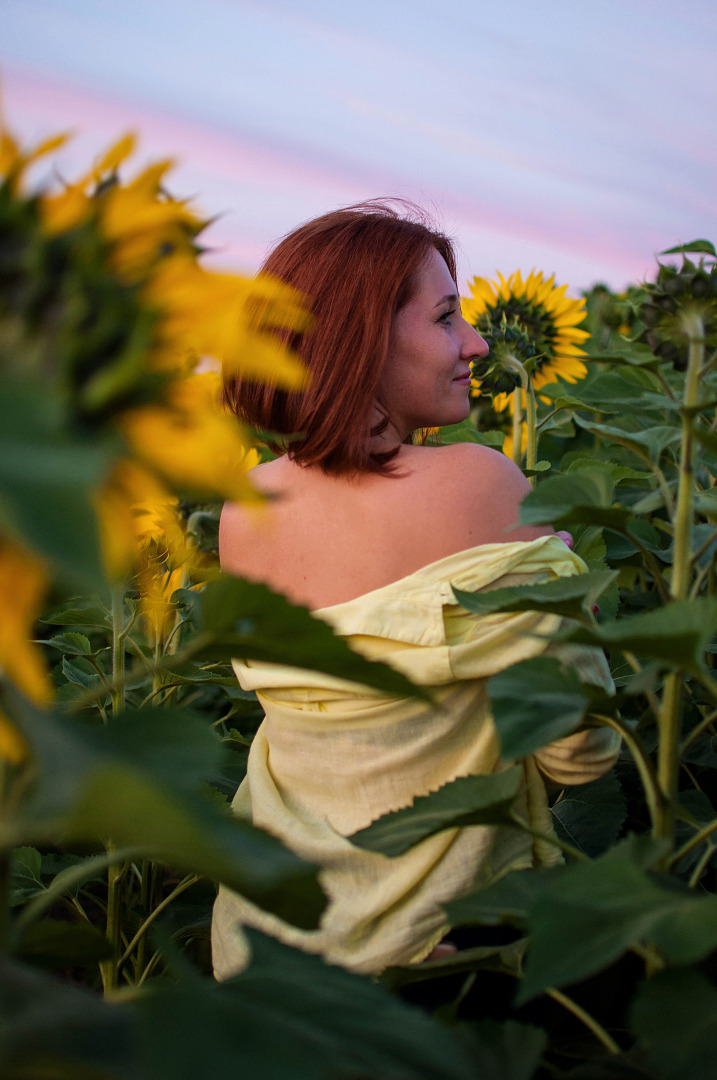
x=370, y=532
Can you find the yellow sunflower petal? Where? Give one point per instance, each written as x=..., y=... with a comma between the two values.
x=128, y=486
x=504, y=292
x=227, y=317
x=116, y=154
x=191, y=442
x=23, y=583
x=65, y=211
x=10, y=156
x=517, y=285
x=544, y=290
x=13, y=747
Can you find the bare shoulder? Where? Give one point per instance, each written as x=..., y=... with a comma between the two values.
x=477, y=469
x=487, y=487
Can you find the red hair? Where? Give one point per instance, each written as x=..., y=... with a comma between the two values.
x=356, y=268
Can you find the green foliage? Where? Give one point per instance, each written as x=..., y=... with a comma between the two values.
x=590, y=816
x=572, y=597
x=470, y=800
x=675, y=1015
x=536, y=702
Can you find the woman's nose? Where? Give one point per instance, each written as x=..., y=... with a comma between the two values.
x=474, y=345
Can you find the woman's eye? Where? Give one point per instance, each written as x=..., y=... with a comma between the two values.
x=446, y=316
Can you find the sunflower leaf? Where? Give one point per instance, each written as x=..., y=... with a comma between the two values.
x=695, y=247
x=677, y=634
x=245, y=619
x=534, y=703
x=675, y=1016
x=469, y=800
x=591, y=912
x=571, y=597
x=585, y=496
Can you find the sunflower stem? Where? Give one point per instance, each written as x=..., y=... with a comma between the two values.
x=517, y=426
x=669, y=717
x=531, y=418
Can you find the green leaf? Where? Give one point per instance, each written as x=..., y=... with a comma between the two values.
x=614, y=390
x=507, y=901
x=675, y=1016
x=469, y=800
x=589, y=544
x=561, y=400
x=289, y=1016
x=466, y=431
x=190, y=673
x=535, y=702
x=539, y=467
x=706, y=501
x=248, y=620
x=652, y=442
x=627, y=1066
x=57, y=944
x=25, y=875
x=677, y=634
x=590, y=816
x=590, y=913
x=507, y=1050
x=91, y=615
x=696, y=247
x=81, y=673
x=190, y=834
x=584, y=496
x=631, y=353
x=619, y=473
x=693, y=812
x=572, y=597
x=50, y=1028
x=139, y=782
x=704, y=437
x=73, y=643
x=47, y=478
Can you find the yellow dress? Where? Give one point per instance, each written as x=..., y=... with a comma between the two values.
x=332, y=756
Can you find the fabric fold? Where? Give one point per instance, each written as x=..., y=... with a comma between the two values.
x=330, y=757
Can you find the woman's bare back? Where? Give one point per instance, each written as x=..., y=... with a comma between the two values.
x=323, y=539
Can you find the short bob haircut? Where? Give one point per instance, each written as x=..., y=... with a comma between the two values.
x=356, y=267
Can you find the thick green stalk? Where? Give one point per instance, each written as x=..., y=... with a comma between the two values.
x=668, y=754
x=681, y=567
x=118, y=648
x=517, y=427
x=531, y=418
x=109, y=968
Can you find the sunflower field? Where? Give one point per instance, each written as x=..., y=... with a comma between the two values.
x=123, y=732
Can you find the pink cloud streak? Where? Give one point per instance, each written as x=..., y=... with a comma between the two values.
x=37, y=105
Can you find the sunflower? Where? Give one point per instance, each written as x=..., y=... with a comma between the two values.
x=543, y=312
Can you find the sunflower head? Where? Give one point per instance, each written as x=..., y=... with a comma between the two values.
x=512, y=355
x=539, y=310
x=670, y=308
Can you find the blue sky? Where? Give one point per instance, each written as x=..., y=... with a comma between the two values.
x=571, y=137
